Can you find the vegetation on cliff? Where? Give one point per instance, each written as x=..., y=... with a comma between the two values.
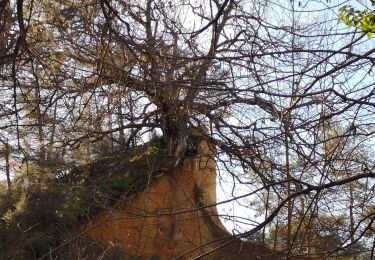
x=284, y=89
x=40, y=215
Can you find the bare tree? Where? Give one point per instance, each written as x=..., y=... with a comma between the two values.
x=285, y=93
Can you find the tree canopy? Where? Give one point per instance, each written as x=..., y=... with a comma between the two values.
x=284, y=92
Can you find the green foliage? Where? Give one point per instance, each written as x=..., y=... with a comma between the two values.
x=364, y=20
x=7, y=202
x=43, y=210
x=317, y=235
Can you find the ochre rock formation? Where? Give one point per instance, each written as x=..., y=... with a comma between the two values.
x=174, y=217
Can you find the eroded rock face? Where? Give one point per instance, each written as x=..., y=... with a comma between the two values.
x=173, y=217
x=163, y=220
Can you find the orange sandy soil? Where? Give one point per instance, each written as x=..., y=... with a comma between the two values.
x=174, y=217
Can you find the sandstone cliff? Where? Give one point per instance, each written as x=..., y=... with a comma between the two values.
x=174, y=217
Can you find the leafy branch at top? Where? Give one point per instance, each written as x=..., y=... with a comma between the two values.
x=364, y=20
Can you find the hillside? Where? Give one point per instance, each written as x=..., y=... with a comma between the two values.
x=133, y=204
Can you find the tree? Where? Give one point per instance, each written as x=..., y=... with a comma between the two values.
x=285, y=93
